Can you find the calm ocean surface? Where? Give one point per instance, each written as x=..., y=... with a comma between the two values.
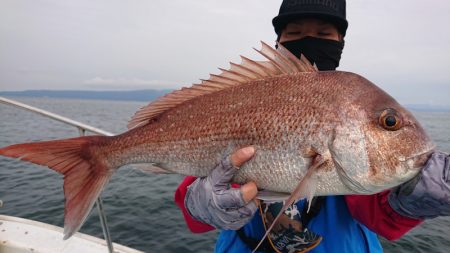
x=139, y=206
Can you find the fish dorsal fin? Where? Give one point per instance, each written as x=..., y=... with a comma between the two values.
x=279, y=61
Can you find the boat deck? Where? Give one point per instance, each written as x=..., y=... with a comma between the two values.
x=18, y=235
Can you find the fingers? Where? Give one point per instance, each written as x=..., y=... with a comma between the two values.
x=221, y=175
x=249, y=191
x=236, y=197
x=212, y=201
x=242, y=155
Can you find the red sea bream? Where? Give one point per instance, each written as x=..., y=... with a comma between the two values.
x=334, y=131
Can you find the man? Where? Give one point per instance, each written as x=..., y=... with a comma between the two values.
x=315, y=28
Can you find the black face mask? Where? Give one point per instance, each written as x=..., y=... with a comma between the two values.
x=323, y=52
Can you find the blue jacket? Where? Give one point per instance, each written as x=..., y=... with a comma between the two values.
x=340, y=232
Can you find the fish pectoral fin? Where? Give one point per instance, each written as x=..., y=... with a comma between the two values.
x=305, y=189
x=270, y=196
x=151, y=168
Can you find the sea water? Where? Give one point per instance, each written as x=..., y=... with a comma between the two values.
x=139, y=206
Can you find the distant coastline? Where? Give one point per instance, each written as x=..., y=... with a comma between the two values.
x=134, y=95
x=148, y=95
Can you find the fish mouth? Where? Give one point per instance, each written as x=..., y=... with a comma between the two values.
x=414, y=162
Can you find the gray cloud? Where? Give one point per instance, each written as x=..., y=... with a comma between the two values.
x=402, y=45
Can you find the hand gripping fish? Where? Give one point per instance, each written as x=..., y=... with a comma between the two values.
x=316, y=133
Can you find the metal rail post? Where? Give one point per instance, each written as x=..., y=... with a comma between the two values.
x=101, y=213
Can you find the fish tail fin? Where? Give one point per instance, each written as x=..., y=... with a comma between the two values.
x=85, y=172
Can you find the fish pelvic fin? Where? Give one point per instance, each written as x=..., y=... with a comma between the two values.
x=305, y=189
x=278, y=62
x=85, y=173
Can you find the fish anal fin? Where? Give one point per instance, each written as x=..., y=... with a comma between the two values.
x=278, y=62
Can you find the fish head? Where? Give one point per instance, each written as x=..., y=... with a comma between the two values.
x=378, y=144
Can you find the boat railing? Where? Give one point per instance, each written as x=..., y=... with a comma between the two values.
x=82, y=128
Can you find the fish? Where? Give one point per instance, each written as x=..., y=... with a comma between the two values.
x=316, y=133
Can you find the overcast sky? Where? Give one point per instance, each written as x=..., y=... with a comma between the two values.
x=403, y=45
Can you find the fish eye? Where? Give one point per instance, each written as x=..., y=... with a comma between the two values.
x=390, y=120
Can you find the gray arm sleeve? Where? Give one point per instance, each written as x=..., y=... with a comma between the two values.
x=428, y=194
x=211, y=199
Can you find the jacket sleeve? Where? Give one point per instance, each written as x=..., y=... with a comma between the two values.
x=180, y=194
x=376, y=214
